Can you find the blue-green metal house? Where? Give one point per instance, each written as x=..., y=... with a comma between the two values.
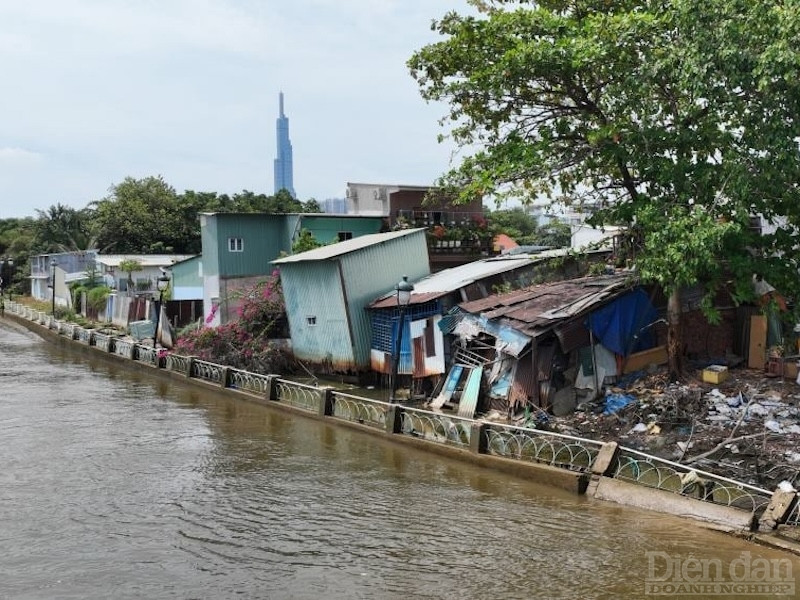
x=237, y=249
x=327, y=290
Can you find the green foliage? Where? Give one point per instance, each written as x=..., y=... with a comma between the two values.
x=311, y=206
x=245, y=343
x=63, y=229
x=129, y=266
x=679, y=117
x=140, y=216
x=523, y=228
x=502, y=288
x=96, y=298
x=305, y=241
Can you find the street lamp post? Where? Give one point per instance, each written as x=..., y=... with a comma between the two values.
x=53, y=264
x=6, y=274
x=10, y=275
x=403, y=292
x=162, y=283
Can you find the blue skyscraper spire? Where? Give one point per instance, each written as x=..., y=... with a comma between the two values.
x=284, y=179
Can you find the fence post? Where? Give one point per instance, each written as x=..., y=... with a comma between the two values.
x=606, y=461
x=271, y=387
x=778, y=509
x=604, y=465
x=189, y=365
x=326, y=406
x=477, y=438
x=394, y=419
x=225, y=377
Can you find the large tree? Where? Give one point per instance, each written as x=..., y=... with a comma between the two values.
x=678, y=118
x=140, y=216
x=63, y=229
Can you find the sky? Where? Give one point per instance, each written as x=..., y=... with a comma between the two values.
x=94, y=91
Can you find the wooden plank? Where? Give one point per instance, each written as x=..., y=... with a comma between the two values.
x=757, y=353
x=645, y=358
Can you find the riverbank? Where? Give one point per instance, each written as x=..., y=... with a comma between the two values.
x=604, y=471
x=745, y=428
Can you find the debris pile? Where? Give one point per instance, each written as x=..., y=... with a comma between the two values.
x=746, y=428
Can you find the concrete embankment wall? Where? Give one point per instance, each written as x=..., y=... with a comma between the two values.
x=602, y=471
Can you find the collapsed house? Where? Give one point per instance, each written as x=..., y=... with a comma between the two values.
x=544, y=346
x=425, y=349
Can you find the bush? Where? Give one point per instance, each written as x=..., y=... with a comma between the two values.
x=245, y=343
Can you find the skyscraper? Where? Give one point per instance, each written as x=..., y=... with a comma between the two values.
x=284, y=179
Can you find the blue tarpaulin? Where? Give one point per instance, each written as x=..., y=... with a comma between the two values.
x=623, y=325
x=616, y=402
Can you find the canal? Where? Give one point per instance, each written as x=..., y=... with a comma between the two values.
x=117, y=485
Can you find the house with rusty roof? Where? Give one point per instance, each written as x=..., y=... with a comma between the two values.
x=426, y=348
x=533, y=347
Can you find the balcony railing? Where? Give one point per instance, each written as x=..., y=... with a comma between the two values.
x=429, y=218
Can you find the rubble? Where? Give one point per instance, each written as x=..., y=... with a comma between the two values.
x=746, y=427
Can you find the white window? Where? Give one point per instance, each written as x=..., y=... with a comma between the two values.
x=311, y=320
x=235, y=245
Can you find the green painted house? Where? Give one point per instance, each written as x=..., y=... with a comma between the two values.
x=237, y=249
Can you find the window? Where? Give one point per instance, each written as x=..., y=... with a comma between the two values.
x=311, y=320
x=345, y=235
x=235, y=245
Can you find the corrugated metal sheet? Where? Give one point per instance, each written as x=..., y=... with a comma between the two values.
x=347, y=246
x=540, y=308
x=508, y=339
x=524, y=381
x=316, y=311
x=469, y=397
x=146, y=260
x=379, y=267
x=572, y=335
x=449, y=280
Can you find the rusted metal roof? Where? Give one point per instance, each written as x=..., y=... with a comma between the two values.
x=541, y=307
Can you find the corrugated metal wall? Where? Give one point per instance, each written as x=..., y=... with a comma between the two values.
x=312, y=290
x=263, y=240
x=375, y=270
x=326, y=228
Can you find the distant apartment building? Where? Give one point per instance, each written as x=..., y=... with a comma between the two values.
x=334, y=206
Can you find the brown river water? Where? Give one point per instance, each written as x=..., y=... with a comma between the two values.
x=117, y=485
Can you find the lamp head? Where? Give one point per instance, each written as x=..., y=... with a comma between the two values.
x=162, y=283
x=403, y=290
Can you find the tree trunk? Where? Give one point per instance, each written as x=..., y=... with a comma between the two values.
x=674, y=336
